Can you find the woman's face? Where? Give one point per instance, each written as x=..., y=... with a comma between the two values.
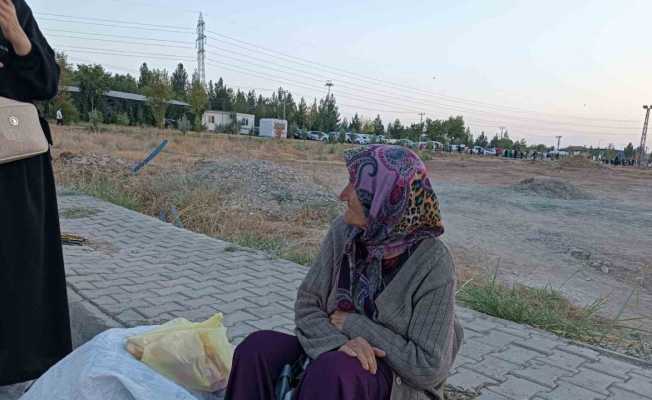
x=354, y=214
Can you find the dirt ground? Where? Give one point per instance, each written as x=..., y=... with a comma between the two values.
x=579, y=227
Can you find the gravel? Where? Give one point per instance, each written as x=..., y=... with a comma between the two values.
x=265, y=186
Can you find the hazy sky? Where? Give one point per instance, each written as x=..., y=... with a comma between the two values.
x=576, y=68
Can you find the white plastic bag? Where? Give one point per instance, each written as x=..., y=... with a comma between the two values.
x=103, y=369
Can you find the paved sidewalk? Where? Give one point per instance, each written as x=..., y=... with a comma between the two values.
x=138, y=270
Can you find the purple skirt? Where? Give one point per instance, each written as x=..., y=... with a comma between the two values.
x=259, y=359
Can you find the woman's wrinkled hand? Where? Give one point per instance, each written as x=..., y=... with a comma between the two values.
x=364, y=352
x=11, y=29
x=338, y=318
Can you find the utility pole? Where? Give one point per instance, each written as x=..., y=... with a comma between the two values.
x=642, y=155
x=329, y=85
x=423, y=127
x=201, y=49
x=282, y=94
x=558, y=142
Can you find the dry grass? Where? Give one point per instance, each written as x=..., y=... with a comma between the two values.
x=164, y=186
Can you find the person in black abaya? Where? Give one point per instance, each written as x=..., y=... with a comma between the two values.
x=34, y=319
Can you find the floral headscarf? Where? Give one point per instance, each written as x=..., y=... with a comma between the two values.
x=402, y=209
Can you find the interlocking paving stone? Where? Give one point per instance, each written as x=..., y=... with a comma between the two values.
x=469, y=379
x=518, y=389
x=567, y=391
x=138, y=270
x=593, y=380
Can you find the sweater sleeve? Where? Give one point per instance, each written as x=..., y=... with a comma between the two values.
x=424, y=357
x=37, y=73
x=313, y=327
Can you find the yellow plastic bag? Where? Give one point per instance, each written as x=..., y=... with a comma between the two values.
x=197, y=356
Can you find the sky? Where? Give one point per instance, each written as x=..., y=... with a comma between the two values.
x=579, y=69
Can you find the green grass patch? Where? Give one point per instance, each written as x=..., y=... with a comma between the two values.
x=108, y=189
x=543, y=308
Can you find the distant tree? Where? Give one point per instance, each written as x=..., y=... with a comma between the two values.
x=379, y=128
x=198, y=101
x=329, y=115
x=629, y=151
x=395, y=130
x=240, y=102
x=481, y=141
x=145, y=78
x=179, y=82
x=158, y=94
x=356, y=123
x=93, y=82
x=344, y=125
x=124, y=83
x=313, y=116
x=63, y=101
x=301, y=116
x=251, y=102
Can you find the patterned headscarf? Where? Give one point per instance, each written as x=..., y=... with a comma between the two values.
x=402, y=209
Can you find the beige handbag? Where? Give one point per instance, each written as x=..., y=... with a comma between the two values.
x=21, y=134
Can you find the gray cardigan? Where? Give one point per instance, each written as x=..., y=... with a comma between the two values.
x=416, y=324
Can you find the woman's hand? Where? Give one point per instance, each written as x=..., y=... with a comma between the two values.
x=11, y=29
x=363, y=351
x=338, y=318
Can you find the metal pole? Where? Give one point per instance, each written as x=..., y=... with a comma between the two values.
x=641, y=150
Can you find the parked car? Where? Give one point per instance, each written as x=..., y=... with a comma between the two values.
x=315, y=135
x=358, y=138
x=407, y=143
x=300, y=134
x=333, y=137
x=391, y=141
x=478, y=150
x=490, y=152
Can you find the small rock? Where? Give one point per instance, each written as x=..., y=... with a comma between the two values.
x=604, y=269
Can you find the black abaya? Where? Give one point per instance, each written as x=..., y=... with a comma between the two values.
x=34, y=320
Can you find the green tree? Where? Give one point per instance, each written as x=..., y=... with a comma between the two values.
x=63, y=101
x=313, y=116
x=329, y=115
x=198, y=101
x=301, y=116
x=158, y=94
x=379, y=128
x=145, y=78
x=356, y=124
x=629, y=151
x=395, y=130
x=482, y=141
x=124, y=83
x=93, y=82
x=179, y=82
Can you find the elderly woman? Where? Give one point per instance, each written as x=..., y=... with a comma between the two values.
x=376, y=312
x=34, y=322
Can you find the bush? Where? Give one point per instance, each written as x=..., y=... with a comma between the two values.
x=122, y=119
x=184, y=124
x=95, y=117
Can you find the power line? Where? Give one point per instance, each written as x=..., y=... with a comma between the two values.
x=240, y=69
x=364, y=89
x=451, y=99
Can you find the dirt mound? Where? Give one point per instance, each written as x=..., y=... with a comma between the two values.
x=578, y=162
x=265, y=186
x=551, y=188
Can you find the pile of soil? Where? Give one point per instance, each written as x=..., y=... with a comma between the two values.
x=265, y=186
x=551, y=188
x=578, y=162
